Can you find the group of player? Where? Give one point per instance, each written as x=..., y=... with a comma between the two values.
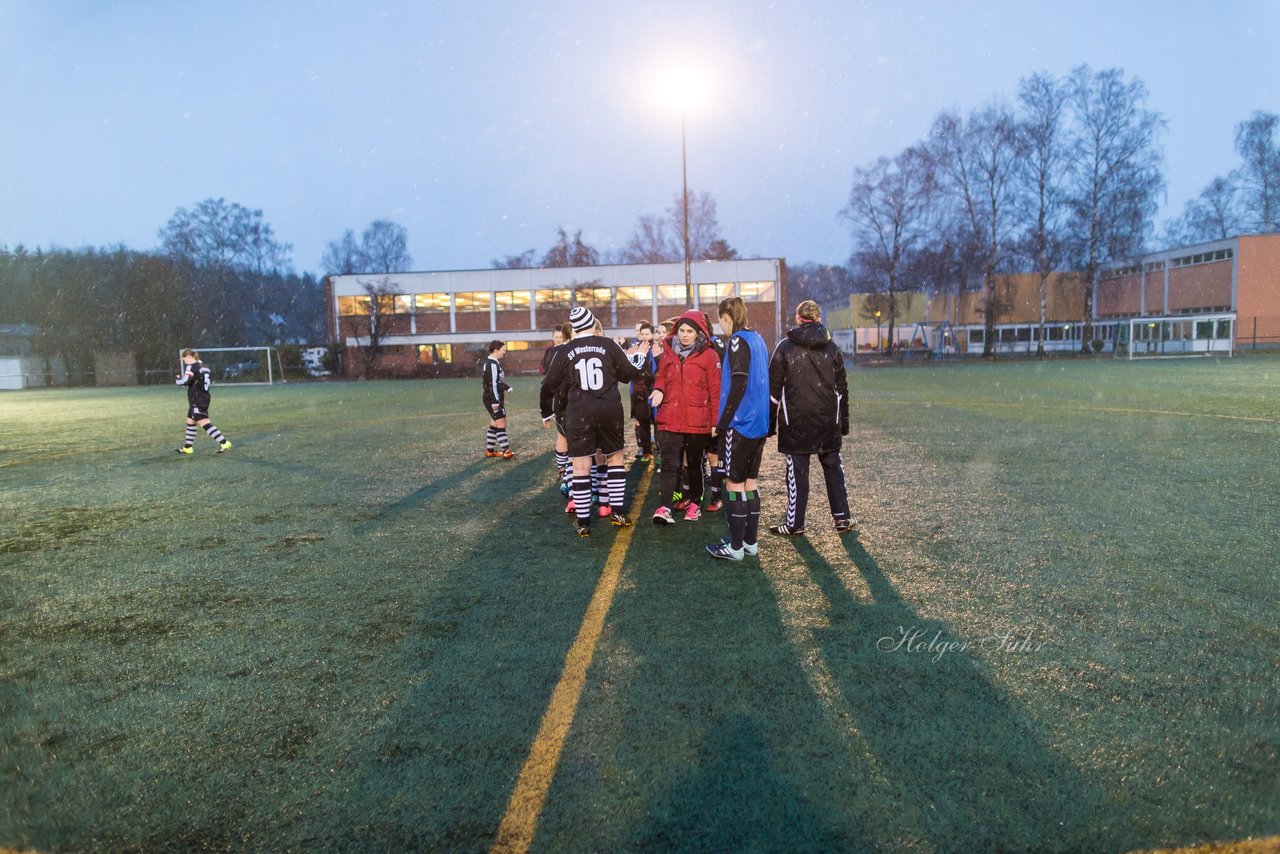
x=713, y=403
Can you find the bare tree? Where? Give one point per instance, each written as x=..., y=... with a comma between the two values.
x=652, y=243
x=1259, y=175
x=383, y=248
x=1044, y=101
x=978, y=162
x=1115, y=175
x=890, y=212
x=215, y=233
x=381, y=308
x=570, y=252
x=1213, y=215
x=523, y=261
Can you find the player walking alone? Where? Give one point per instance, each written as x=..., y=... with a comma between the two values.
x=198, y=380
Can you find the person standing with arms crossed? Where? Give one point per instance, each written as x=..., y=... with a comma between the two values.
x=744, y=424
x=809, y=396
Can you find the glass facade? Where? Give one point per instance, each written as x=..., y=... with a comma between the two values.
x=513, y=300
x=429, y=303
x=632, y=297
x=593, y=297
x=552, y=297
x=472, y=301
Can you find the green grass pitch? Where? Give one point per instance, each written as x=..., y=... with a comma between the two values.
x=1056, y=630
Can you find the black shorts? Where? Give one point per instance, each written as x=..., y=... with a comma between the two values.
x=494, y=416
x=740, y=456
x=559, y=419
x=198, y=411
x=595, y=429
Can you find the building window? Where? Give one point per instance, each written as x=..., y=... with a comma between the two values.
x=517, y=345
x=631, y=297
x=435, y=354
x=671, y=295
x=399, y=304
x=756, y=291
x=431, y=303
x=513, y=300
x=593, y=297
x=353, y=306
x=473, y=301
x=712, y=294
x=552, y=298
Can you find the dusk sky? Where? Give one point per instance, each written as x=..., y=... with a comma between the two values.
x=481, y=127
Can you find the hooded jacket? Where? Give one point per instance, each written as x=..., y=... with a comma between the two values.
x=690, y=386
x=808, y=391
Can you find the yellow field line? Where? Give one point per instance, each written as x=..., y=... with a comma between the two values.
x=515, y=833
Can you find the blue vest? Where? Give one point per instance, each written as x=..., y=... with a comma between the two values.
x=751, y=418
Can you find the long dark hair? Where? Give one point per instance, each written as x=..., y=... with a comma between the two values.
x=737, y=311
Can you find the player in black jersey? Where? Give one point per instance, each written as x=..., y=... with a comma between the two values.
x=591, y=369
x=552, y=402
x=198, y=380
x=495, y=402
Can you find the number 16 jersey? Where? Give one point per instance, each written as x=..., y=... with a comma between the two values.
x=590, y=370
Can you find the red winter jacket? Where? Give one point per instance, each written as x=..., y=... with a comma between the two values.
x=691, y=386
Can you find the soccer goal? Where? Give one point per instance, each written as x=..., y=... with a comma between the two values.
x=241, y=365
x=1178, y=337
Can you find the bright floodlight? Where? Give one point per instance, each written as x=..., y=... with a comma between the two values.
x=682, y=87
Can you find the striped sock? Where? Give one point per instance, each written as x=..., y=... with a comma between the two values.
x=617, y=488
x=562, y=461
x=566, y=473
x=214, y=433
x=600, y=483
x=502, y=440
x=190, y=438
x=582, y=497
x=491, y=440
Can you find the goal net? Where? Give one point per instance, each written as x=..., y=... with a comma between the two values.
x=241, y=365
x=1177, y=337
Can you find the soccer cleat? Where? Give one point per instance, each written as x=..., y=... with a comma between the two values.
x=645, y=458
x=185, y=449
x=507, y=454
x=583, y=528
x=492, y=453
x=786, y=531
x=564, y=489
x=662, y=516
x=681, y=504
x=845, y=526
x=715, y=506
x=676, y=496
x=605, y=511
x=747, y=548
x=620, y=520
x=224, y=446
x=570, y=507
x=724, y=551
x=693, y=513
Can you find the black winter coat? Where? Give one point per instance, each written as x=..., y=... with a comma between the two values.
x=809, y=392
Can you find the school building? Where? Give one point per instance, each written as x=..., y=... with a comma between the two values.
x=1198, y=298
x=442, y=322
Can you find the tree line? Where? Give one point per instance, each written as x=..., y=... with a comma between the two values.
x=1067, y=176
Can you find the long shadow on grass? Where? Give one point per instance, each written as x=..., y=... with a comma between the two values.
x=964, y=768
x=456, y=485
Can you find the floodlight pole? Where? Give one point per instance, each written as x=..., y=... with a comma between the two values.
x=684, y=172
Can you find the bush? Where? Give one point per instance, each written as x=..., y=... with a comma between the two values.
x=1097, y=344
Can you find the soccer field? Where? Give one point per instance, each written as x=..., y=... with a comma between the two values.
x=1056, y=631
